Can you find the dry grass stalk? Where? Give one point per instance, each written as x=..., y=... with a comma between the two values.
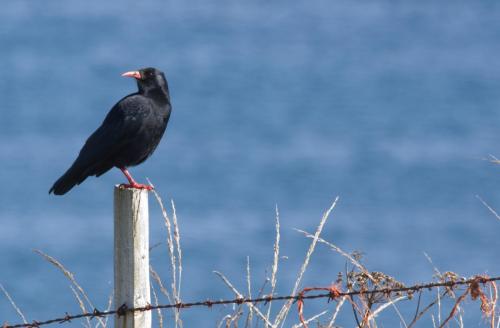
x=80, y=304
x=274, y=269
x=488, y=207
x=494, y=299
x=177, y=238
x=393, y=304
x=231, y=319
x=164, y=291
x=437, y=273
x=11, y=301
x=108, y=307
x=305, y=322
x=443, y=277
x=337, y=249
x=366, y=311
x=234, y=318
x=439, y=307
x=336, y=312
x=493, y=159
x=157, y=278
x=249, y=290
x=239, y=295
x=170, y=243
x=173, y=236
x=455, y=307
x=418, y=314
x=381, y=308
x=224, y=318
x=69, y=275
x=158, y=311
x=280, y=318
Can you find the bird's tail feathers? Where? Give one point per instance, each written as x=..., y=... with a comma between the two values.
x=73, y=176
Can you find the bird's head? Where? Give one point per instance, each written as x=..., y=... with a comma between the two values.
x=148, y=79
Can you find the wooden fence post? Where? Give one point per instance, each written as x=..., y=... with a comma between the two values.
x=131, y=256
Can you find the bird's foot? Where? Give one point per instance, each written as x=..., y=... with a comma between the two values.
x=136, y=186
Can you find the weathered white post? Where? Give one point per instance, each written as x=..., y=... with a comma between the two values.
x=131, y=256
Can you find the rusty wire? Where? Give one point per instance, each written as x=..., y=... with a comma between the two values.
x=122, y=310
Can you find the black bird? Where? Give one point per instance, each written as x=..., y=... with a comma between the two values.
x=127, y=137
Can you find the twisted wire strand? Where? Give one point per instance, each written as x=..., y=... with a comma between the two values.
x=122, y=310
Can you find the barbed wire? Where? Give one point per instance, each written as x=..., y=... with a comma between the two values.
x=332, y=295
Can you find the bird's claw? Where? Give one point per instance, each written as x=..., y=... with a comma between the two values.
x=136, y=186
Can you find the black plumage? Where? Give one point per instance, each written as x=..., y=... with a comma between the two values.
x=128, y=135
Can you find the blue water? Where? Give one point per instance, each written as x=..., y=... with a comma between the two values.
x=391, y=106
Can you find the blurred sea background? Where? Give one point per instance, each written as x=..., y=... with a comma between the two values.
x=392, y=106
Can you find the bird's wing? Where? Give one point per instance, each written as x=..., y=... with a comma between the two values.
x=120, y=126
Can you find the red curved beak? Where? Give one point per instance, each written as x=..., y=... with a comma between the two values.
x=134, y=74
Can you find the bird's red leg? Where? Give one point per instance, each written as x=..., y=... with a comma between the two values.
x=132, y=183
